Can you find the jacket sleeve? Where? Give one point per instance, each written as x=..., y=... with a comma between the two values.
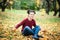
x=19, y=24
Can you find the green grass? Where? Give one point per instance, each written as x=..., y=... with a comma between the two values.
x=38, y=17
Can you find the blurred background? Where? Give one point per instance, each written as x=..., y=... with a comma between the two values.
x=14, y=11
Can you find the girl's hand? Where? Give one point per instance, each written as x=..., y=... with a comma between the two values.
x=14, y=29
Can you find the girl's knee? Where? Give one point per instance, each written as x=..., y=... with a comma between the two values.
x=27, y=27
x=38, y=27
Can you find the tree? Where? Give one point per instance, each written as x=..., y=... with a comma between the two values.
x=55, y=9
x=26, y=4
x=3, y=5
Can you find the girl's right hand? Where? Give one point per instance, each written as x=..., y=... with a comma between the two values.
x=14, y=29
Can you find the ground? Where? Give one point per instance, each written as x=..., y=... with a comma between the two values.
x=10, y=18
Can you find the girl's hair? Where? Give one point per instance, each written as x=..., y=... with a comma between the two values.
x=28, y=11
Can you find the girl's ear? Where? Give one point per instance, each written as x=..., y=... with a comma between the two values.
x=28, y=11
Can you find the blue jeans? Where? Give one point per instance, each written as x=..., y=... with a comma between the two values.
x=28, y=31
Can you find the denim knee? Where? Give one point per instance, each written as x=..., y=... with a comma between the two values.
x=38, y=27
x=27, y=27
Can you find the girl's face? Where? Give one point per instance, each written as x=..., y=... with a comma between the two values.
x=31, y=15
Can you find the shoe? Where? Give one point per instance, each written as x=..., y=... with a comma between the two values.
x=40, y=36
x=35, y=37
